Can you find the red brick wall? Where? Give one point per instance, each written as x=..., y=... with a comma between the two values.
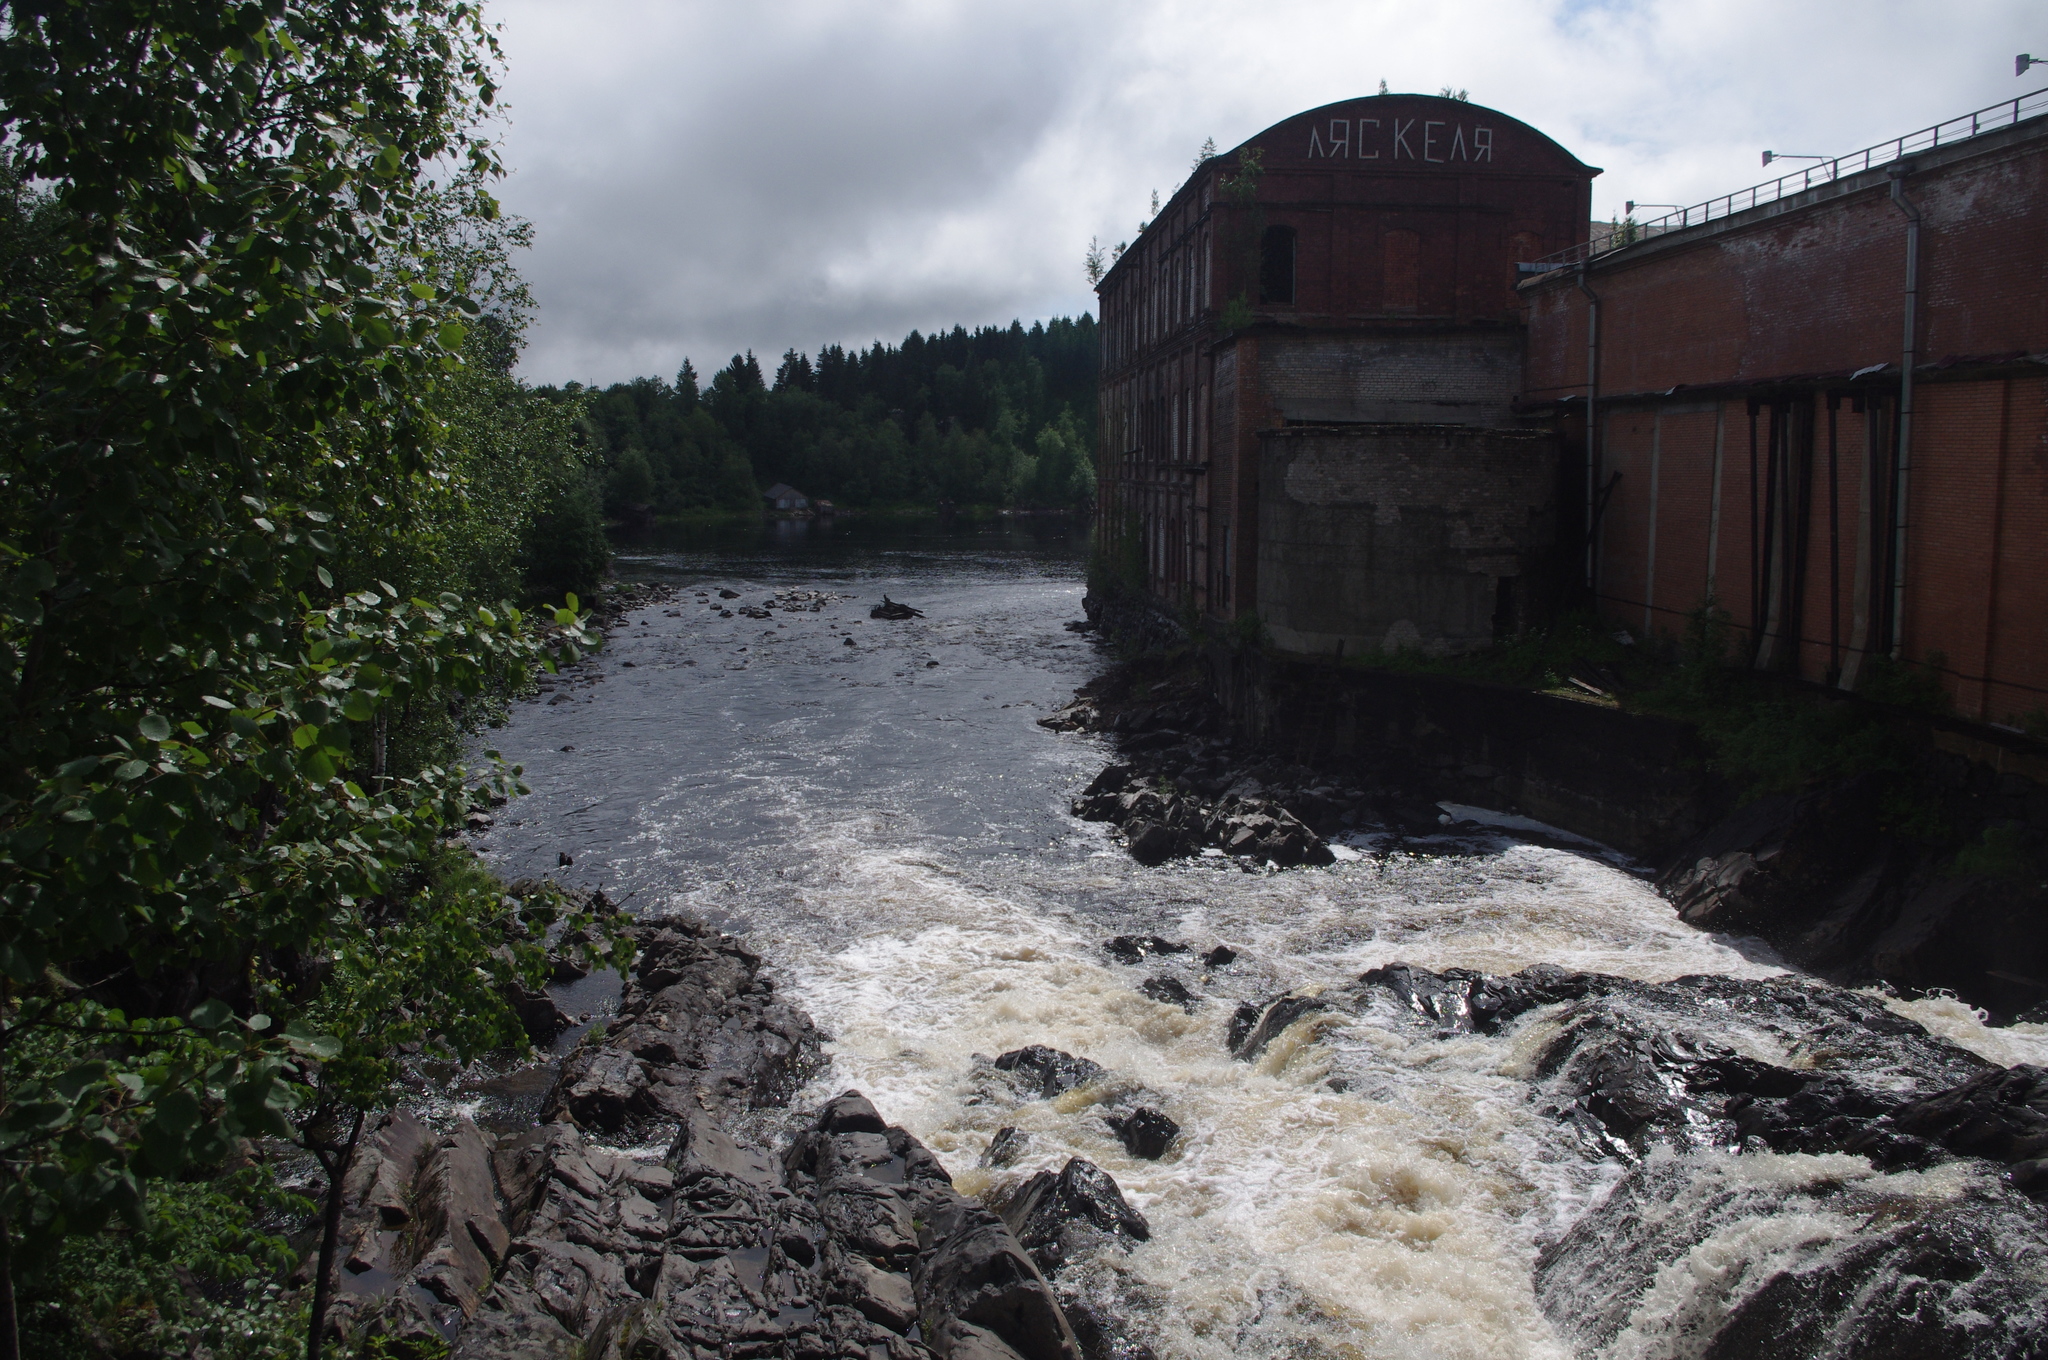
x=1784, y=308
x=1815, y=289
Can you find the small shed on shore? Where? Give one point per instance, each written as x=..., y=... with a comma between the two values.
x=783, y=496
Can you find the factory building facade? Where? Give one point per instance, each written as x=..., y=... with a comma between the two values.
x=1311, y=330
x=1348, y=372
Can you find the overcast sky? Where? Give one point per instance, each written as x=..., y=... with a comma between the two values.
x=707, y=178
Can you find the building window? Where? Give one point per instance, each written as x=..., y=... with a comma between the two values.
x=1276, y=265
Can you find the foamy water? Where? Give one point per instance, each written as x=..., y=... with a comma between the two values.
x=893, y=836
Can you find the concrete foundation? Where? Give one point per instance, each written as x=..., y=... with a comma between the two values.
x=1378, y=538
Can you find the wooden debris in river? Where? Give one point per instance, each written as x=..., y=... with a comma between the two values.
x=890, y=609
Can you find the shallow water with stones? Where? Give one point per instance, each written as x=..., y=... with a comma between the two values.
x=873, y=805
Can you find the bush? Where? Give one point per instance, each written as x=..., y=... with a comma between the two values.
x=565, y=552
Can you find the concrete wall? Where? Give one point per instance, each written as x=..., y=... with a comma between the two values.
x=1451, y=378
x=1634, y=782
x=1390, y=536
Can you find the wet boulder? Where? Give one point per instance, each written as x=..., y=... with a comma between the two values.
x=1130, y=949
x=1256, y=1025
x=538, y=1014
x=1144, y=1132
x=1150, y=843
x=975, y=1283
x=1047, y=1072
x=1056, y=1217
x=1006, y=1147
x=1170, y=991
x=1880, y=1265
x=2000, y=1116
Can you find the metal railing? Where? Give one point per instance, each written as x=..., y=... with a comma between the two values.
x=1996, y=118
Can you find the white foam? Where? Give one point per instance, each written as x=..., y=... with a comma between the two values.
x=1396, y=1218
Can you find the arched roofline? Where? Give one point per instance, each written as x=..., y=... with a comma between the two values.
x=1463, y=105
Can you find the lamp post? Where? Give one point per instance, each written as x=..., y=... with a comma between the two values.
x=2021, y=62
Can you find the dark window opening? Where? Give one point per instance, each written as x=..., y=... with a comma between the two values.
x=1504, y=622
x=1276, y=265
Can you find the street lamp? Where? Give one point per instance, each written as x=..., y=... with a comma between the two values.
x=2021, y=62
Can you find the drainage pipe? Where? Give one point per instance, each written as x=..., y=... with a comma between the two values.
x=1908, y=361
x=1592, y=420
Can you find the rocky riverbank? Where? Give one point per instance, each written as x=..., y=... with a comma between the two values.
x=671, y=1203
x=1924, y=1239
x=1922, y=879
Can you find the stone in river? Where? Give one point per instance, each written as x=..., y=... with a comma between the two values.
x=1171, y=992
x=1135, y=948
x=1008, y=1145
x=1150, y=844
x=1048, y=1070
x=1144, y=1132
x=1056, y=1217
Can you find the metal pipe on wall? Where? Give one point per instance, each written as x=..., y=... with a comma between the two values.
x=1592, y=419
x=1908, y=361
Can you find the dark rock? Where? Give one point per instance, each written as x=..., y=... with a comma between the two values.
x=725, y=594
x=1171, y=992
x=1268, y=1021
x=1222, y=956
x=1047, y=1071
x=851, y=1112
x=1137, y=948
x=2000, y=1116
x=1150, y=843
x=1112, y=779
x=1006, y=1147
x=1056, y=1217
x=538, y=1014
x=881, y=1296
x=1883, y=1271
x=1144, y=1132
x=563, y=859
x=976, y=1272
x=1444, y=999
x=600, y=1087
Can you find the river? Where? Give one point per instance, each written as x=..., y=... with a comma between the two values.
x=875, y=807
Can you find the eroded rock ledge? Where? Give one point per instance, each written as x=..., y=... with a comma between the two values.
x=645, y=1219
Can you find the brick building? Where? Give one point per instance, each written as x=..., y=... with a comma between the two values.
x=1311, y=322
x=1755, y=439
x=1326, y=398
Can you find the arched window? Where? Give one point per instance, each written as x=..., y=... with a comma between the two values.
x=1276, y=265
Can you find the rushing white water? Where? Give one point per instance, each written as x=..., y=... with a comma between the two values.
x=893, y=836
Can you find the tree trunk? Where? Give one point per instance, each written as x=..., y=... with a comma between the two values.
x=10, y=1330
x=335, y=1161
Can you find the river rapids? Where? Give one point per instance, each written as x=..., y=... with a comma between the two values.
x=873, y=805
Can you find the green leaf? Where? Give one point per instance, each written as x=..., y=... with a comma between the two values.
x=304, y=735
x=155, y=727
x=211, y=1013
x=302, y=1038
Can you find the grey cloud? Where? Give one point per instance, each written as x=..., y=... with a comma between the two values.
x=706, y=179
